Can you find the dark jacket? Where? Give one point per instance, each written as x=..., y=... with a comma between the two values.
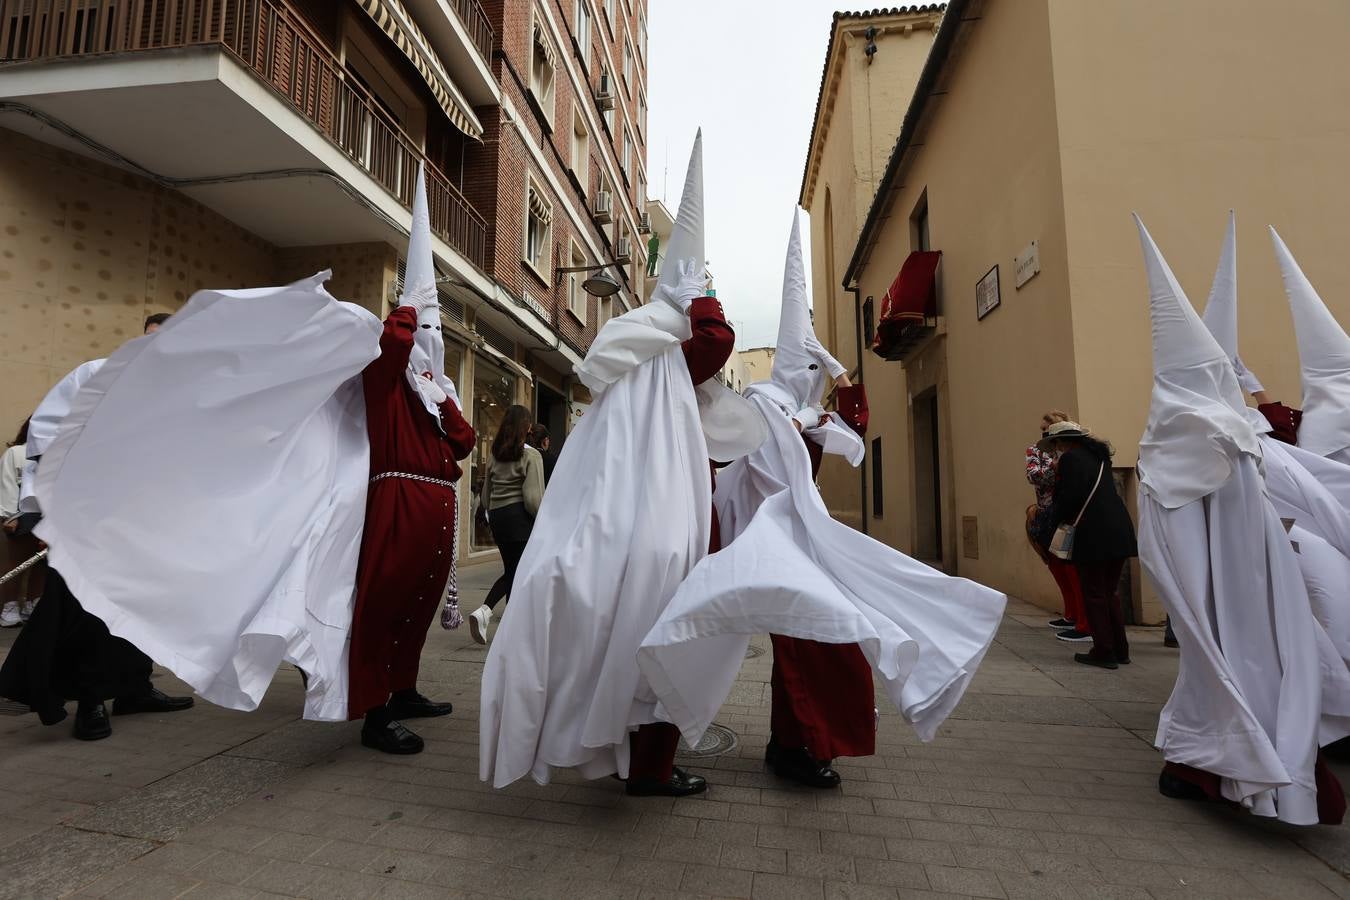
x=1105, y=531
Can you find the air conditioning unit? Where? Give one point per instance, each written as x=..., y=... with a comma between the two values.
x=623, y=250
x=645, y=223
x=604, y=94
x=604, y=207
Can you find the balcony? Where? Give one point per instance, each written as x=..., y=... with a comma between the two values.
x=158, y=83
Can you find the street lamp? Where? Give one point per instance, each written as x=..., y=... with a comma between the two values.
x=602, y=284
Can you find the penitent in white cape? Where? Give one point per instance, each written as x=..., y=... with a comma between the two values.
x=788, y=568
x=1247, y=702
x=1324, y=354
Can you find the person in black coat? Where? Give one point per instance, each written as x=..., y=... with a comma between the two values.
x=1103, y=541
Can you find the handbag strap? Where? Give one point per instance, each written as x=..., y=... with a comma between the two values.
x=1096, y=484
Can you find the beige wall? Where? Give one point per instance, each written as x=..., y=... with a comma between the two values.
x=863, y=104
x=758, y=363
x=364, y=274
x=986, y=199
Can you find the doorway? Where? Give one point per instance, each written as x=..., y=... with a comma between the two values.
x=550, y=410
x=927, y=478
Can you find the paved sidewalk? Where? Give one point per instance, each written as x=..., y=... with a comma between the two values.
x=1043, y=784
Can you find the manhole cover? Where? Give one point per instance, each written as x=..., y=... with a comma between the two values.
x=752, y=651
x=718, y=739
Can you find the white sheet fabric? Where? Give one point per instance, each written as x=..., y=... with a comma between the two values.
x=625, y=519
x=787, y=568
x=1247, y=703
x=206, y=494
x=47, y=418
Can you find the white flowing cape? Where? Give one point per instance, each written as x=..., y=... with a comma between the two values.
x=788, y=568
x=626, y=516
x=1248, y=696
x=47, y=419
x=206, y=495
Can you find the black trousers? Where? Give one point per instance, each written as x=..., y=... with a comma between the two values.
x=511, y=526
x=65, y=653
x=1101, y=602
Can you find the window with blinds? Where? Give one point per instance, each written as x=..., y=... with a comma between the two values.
x=538, y=230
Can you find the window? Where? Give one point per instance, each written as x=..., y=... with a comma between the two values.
x=869, y=323
x=606, y=311
x=878, y=495
x=918, y=225
x=627, y=156
x=538, y=230
x=577, y=301
x=642, y=114
x=609, y=120
x=641, y=195
x=584, y=32
x=581, y=147
x=542, y=67
x=609, y=12
x=627, y=63
x=642, y=35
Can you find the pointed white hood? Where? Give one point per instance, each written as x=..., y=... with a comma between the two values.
x=801, y=366
x=1197, y=427
x=1324, y=353
x=419, y=274
x=730, y=424
x=1221, y=316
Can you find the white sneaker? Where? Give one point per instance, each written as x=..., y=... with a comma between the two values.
x=9, y=616
x=478, y=623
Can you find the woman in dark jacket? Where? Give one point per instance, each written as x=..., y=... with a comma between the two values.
x=1104, y=539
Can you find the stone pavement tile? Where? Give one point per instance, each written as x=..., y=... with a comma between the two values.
x=289, y=846
x=997, y=858
x=795, y=839
x=345, y=855
x=830, y=866
x=820, y=821
x=584, y=864
x=968, y=815
x=987, y=799
x=1095, y=890
x=934, y=852
x=403, y=865
x=758, y=813
x=1019, y=886
x=649, y=871
x=1082, y=844
x=682, y=849
x=971, y=882
x=1134, y=874
x=787, y=887
x=176, y=857
x=1074, y=864
x=62, y=859
x=754, y=859
x=882, y=826
x=335, y=885
x=227, y=867
x=951, y=832
x=1295, y=887
x=205, y=890
x=721, y=882
x=1017, y=818
x=566, y=836
x=729, y=832
x=845, y=844
x=13, y=831
x=153, y=886
x=278, y=876
x=101, y=886
x=1014, y=838
x=891, y=872
x=902, y=809
x=799, y=799
x=838, y=803
x=1137, y=848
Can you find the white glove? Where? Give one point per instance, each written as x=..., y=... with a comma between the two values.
x=809, y=417
x=423, y=297
x=1249, y=382
x=693, y=283
x=430, y=390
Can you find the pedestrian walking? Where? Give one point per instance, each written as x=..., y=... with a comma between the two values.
x=513, y=488
x=1087, y=506
x=15, y=549
x=1040, y=466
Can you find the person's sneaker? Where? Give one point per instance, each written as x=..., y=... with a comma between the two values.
x=681, y=784
x=91, y=722
x=10, y=616
x=153, y=700
x=1061, y=623
x=1073, y=636
x=1088, y=659
x=391, y=737
x=479, y=620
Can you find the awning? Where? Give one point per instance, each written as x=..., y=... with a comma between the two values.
x=395, y=22
x=910, y=303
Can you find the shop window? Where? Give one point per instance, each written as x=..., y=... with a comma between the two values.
x=494, y=389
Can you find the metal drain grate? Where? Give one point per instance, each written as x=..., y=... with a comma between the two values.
x=717, y=740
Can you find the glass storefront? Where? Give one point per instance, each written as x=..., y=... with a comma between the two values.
x=494, y=389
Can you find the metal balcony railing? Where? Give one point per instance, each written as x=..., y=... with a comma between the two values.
x=272, y=39
x=476, y=22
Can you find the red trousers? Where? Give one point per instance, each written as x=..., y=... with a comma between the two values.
x=1066, y=576
x=1330, y=796
x=822, y=698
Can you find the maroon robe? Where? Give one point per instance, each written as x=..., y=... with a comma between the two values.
x=706, y=352
x=1284, y=421
x=409, y=535
x=822, y=693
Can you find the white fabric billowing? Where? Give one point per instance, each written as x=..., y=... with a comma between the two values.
x=832, y=435
x=419, y=274
x=1197, y=423
x=206, y=494
x=47, y=418
x=787, y=568
x=626, y=517
x=1248, y=697
x=1326, y=572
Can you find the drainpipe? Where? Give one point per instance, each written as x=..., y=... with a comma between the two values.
x=858, y=335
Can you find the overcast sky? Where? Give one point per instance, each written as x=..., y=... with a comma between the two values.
x=748, y=73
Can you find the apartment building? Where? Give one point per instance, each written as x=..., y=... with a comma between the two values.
x=151, y=149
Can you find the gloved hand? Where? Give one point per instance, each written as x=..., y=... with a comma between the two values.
x=693, y=284
x=423, y=297
x=809, y=417
x=430, y=390
x=1246, y=378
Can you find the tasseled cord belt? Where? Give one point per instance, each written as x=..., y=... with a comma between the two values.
x=450, y=615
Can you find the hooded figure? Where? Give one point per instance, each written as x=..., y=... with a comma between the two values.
x=1242, y=721
x=837, y=602
x=1321, y=522
x=626, y=518
x=1324, y=353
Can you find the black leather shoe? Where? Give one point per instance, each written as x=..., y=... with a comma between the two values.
x=415, y=706
x=681, y=784
x=1179, y=789
x=153, y=700
x=91, y=722
x=1122, y=660
x=1088, y=659
x=797, y=765
x=391, y=738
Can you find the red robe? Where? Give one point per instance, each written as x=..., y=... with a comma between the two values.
x=822, y=693
x=409, y=535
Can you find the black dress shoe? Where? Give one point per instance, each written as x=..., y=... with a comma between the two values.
x=91, y=722
x=681, y=784
x=1088, y=659
x=392, y=737
x=797, y=765
x=1170, y=785
x=153, y=700
x=1122, y=660
x=415, y=706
